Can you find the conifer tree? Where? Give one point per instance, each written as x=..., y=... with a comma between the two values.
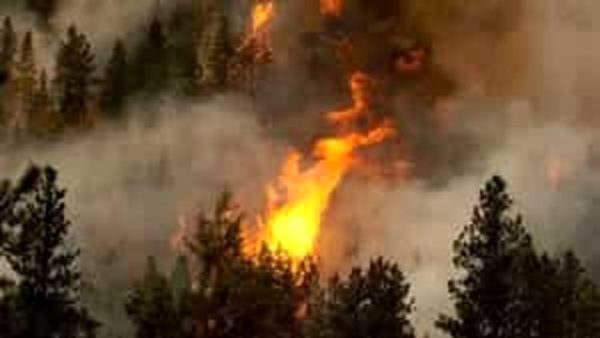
x=567, y=300
x=216, y=50
x=181, y=282
x=151, y=67
x=228, y=288
x=8, y=54
x=492, y=298
x=372, y=302
x=8, y=47
x=116, y=84
x=75, y=79
x=183, y=30
x=231, y=288
x=152, y=308
x=46, y=297
x=9, y=196
x=45, y=121
x=27, y=77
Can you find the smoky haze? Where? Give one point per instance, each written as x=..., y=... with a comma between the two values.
x=525, y=109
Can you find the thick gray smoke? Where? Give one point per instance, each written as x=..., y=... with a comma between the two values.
x=129, y=185
x=525, y=105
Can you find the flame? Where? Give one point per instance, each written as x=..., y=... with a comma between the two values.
x=300, y=197
x=256, y=45
x=331, y=7
x=262, y=15
x=362, y=88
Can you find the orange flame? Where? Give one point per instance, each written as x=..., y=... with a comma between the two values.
x=298, y=200
x=362, y=88
x=331, y=7
x=262, y=15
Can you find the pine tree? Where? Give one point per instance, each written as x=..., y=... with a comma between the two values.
x=492, y=298
x=45, y=121
x=74, y=79
x=227, y=291
x=231, y=288
x=46, y=296
x=116, y=82
x=151, y=66
x=373, y=302
x=8, y=54
x=183, y=30
x=152, y=308
x=568, y=301
x=216, y=50
x=10, y=195
x=181, y=282
x=8, y=48
x=27, y=77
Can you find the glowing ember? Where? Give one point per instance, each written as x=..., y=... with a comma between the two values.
x=331, y=7
x=298, y=200
x=262, y=15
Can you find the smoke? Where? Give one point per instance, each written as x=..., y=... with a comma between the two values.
x=129, y=185
x=527, y=102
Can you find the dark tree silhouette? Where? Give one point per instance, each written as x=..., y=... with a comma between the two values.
x=74, y=79
x=8, y=46
x=44, y=10
x=151, y=66
x=228, y=289
x=45, y=300
x=372, y=302
x=116, y=84
x=8, y=55
x=152, y=307
x=27, y=82
x=11, y=194
x=44, y=121
x=488, y=298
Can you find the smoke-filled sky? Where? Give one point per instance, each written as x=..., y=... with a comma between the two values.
x=524, y=110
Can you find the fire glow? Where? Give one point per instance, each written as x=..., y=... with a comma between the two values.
x=299, y=198
x=262, y=15
x=331, y=7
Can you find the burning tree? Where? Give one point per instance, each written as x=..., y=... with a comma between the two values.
x=231, y=294
x=300, y=197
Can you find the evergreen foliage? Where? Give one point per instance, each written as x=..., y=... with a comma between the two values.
x=44, y=301
x=74, y=80
x=372, y=302
x=116, y=84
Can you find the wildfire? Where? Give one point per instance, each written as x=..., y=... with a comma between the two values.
x=362, y=88
x=331, y=7
x=299, y=198
x=262, y=15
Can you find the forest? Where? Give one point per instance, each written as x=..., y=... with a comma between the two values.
x=381, y=169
